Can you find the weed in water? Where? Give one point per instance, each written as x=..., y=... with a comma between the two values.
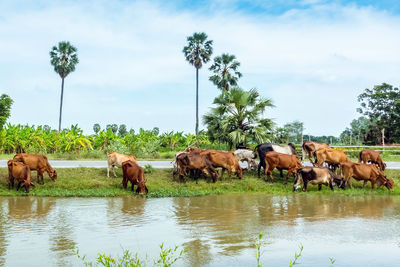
x=258, y=245
x=296, y=257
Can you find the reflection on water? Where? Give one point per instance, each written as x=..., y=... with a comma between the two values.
x=216, y=230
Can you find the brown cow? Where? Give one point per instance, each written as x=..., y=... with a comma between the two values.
x=224, y=160
x=21, y=172
x=310, y=148
x=196, y=161
x=115, y=160
x=366, y=173
x=39, y=163
x=132, y=172
x=331, y=156
x=371, y=156
x=281, y=162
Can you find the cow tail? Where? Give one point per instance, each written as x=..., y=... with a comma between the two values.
x=334, y=176
x=255, y=151
x=359, y=156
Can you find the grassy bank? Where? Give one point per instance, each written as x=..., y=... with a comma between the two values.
x=92, y=182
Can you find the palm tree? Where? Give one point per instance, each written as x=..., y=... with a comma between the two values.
x=225, y=71
x=63, y=58
x=237, y=118
x=197, y=52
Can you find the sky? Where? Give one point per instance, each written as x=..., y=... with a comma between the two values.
x=312, y=58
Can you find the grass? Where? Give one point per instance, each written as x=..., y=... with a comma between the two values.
x=93, y=182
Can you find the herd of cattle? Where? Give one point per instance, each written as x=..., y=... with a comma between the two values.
x=197, y=162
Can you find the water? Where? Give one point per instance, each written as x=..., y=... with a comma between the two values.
x=217, y=230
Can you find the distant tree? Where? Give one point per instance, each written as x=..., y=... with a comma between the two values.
x=197, y=52
x=96, y=128
x=122, y=130
x=156, y=130
x=5, y=109
x=237, y=118
x=381, y=105
x=64, y=59
x=225, y=69
x=292, y=132
x=46, y=128
x=112, y=127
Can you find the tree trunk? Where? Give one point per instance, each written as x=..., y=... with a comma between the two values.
x=197, y=101
x=61, y=102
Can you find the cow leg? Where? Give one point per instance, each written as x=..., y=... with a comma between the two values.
x=108, y=170
x=330, y=185
x=372, y=184
x=305, y=185
x=113, y=169
x=133, y=186
x=365, y=183
x=222, y=173
x=319, y=187
x=18, y=185
x=229, y=174
x=281, y=173
x=262, y=163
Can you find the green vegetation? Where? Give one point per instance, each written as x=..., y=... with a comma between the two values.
x=5, y=108
x=237, y=118
x=167, y=257
x=64, y=59
x=380, y=107
x=225, y=69
x=92, y=182
x=198, y=52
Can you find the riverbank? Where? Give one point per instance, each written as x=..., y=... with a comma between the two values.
x=93, y=182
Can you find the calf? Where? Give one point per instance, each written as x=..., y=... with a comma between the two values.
x=247, y=155
x=371, y=156
x=39, y=163
x=366, y=173
x=319, y=176
x=21, y=172
x=115, y=160
x=281, y=162
x=132, y=172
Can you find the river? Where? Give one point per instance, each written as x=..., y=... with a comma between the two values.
x=217, y=230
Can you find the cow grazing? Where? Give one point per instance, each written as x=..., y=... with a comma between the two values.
x=132, y=172
x=20, y=172
x=224, y=160
x=371, y=156
x=175, y=164
x=197, y=162
x=281, y=162
x=39, y=163
x=115, y=160
x=247, y=155
x=331, y=157
x=266, y=147
x=365, y=173
x=310, y=148
x=317, y=176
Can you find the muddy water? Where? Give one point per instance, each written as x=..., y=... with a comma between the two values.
x=217, y=230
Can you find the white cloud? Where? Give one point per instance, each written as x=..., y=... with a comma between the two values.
x=312, y=62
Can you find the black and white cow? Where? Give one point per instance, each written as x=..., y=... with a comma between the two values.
x=317, y=176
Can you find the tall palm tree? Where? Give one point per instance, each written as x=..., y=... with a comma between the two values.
x=225, y=69
x=197, y=52
x=237, y=118
x=63, y=58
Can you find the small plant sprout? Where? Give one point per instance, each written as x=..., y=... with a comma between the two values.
x=296, y=257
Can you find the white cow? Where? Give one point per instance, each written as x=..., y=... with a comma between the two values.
x=115, y=160
x=247, y=155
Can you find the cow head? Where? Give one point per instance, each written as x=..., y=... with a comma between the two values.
x=341, y=183
x=53, y=175
x=142, y=188
x=384, y=166
x=239, y=172
x=27, y=184
x=387, y=182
